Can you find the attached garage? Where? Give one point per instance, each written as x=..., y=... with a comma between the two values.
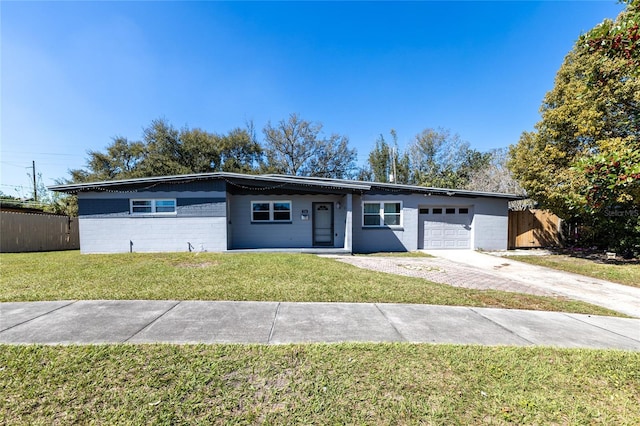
x=445, y=227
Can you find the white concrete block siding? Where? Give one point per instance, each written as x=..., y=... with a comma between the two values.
x=152, y=234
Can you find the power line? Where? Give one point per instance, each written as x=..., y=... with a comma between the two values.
x=47, y=163
x=15, y=165
x=14, y=186
x=42, y=153
x=35, y=184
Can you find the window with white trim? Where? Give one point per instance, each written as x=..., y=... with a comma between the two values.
x=271, y=211
x=381, y=213
x=152, y=206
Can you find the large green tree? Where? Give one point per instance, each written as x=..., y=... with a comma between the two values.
x=435, y=157
x=495, y=176
x=165, y=150
x=120, y=160
x=298, y=147
x=581, y=160
x=387, y=163
x=442, y=159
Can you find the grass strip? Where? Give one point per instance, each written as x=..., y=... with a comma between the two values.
x=317, y=384
x=281, y=277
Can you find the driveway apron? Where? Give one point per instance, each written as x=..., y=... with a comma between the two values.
x=472, y=269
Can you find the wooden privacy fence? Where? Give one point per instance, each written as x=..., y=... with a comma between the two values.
x=534, y=228
x=23, y=232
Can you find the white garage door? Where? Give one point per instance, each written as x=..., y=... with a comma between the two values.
x=445, y=228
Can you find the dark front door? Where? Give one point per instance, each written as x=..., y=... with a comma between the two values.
x=323, y=224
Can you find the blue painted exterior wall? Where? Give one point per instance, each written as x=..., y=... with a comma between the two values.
x=401, y=238
x=119, y=207
x=199, y=223
x=489, y=224
x=244, y=234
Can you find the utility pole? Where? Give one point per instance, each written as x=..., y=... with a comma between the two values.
x=35, y=188
x=395, y=172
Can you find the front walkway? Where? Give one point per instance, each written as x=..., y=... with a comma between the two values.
x=472, y=269
x=139, y=321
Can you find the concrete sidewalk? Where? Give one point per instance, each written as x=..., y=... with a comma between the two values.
x=110, y=321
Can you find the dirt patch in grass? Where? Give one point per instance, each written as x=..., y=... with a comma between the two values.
x=197, y=264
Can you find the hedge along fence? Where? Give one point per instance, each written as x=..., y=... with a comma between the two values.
x=24, y=232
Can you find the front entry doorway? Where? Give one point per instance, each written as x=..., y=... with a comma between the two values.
x=323, y=224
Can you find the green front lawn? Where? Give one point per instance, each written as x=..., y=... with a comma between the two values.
x=237, y=276
x=317, y=384
x=623, y=273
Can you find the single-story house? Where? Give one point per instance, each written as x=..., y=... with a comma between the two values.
x=230, y=211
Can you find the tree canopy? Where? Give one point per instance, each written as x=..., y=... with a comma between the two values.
x=494, y=176
x=435, y=158
x=165, y=150
x=442, y=159
x=582, y=159
x=386, y=163
x=294, y=146
x=298, y=147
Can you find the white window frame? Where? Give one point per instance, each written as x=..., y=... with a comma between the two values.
x=381, y=204
x=272, y=211
x=154, y=206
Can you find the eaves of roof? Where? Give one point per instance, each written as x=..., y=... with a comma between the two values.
x=310, y=182
x=229, y=177
x=395, y=187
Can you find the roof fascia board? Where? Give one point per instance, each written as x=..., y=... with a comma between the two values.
x=445, y=191
x=349, y=185
x=317, y=182
x=421, y=189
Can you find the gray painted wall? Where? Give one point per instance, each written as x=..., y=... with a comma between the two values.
x=297, y=234
x=402, y=238
x=490, y=224
x=488, y=229
x=106, y=226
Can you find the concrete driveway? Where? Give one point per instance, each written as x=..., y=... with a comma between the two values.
x=472, y=269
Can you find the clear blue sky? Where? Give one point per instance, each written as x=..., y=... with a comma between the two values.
x=76, y=74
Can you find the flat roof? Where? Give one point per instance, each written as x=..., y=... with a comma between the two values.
x=417, y=188
x=311, y=182
x=96, y=186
